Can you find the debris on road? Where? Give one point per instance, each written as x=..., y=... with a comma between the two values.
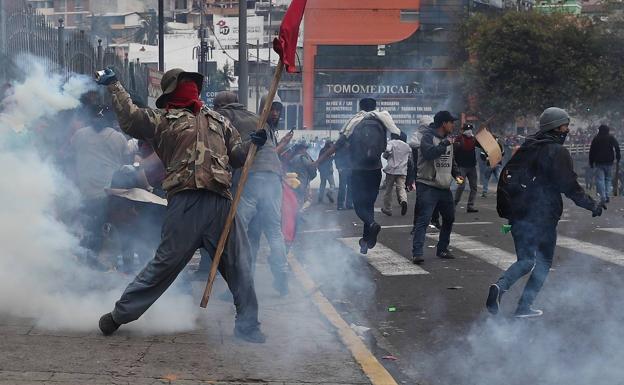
x=392, y=309
x=390, y=358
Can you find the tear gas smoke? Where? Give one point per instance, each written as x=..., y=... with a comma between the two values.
x=41, y=276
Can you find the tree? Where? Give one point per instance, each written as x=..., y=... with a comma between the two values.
x=522, y=62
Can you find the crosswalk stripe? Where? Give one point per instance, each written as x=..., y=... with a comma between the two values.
x=490, y=254
x=601, y=252
x=614, y=230
x=385, y=260
x=454, y=224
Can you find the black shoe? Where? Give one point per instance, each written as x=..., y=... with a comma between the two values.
x=387, y=212
x=528, y=313
x=484, y=195
x=417, y=259
x=108, y=325
x=445, y=255
x=472, y=210
x=253, y=335
x=436, y=223
x=403, y=208
x=493, y=299
x=363, y=246
x=373, y=232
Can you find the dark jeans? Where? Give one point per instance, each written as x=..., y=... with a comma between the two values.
x=364, y=188
x=194, y=219
x=344, y=188
x=535, y=247
x=429, y=199
x=469, y=173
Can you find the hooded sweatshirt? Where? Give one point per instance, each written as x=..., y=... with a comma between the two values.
x=604, y=148
x=436, y=166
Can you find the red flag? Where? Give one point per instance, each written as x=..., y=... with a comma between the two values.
x=286, y=44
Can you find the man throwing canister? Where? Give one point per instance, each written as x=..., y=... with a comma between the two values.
x=197, y=147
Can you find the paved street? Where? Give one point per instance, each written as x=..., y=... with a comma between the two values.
x=438, y=332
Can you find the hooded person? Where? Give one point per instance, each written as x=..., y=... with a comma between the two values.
x=604, y=150
x=529, y=196
x=197, y=147
x=259, y=209
x=365, y=138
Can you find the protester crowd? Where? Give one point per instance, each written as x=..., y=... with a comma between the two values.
x=157, y=186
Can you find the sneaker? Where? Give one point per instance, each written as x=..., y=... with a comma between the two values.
x=493, y=299
x=484, y=195
x=417, y=259
x=527, y=313
x=363, y=246
x=340, y=208
x=253, y=334
x=445, y=255
x=436, y=223
x=472, y=210
x=387, y=212
x=108, y=325
x=372, y=235
x=403, y=208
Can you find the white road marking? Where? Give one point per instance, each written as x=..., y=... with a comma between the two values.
x=385, y=260
x=614, y=230
x=330, y=230
x=490, y=254
x=601, y=252
x=454, y=224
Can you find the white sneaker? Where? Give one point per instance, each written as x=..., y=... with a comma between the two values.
x=528, y=313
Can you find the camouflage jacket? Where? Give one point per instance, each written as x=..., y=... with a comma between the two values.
x=198, y=151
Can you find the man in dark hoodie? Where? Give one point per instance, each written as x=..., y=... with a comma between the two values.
x=529, y=196
x=261, y=200
x=603, y=151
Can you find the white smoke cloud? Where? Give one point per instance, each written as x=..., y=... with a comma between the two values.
x=41, y=276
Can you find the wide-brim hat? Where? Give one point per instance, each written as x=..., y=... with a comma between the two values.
x=169, y=83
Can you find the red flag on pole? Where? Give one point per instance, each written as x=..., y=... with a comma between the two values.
x=286, y=44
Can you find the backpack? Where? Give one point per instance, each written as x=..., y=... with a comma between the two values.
x=517, y=179
x=366, y=144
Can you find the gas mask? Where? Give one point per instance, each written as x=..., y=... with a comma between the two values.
x=560, y=137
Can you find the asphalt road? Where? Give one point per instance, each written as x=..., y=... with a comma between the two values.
x=440, y=332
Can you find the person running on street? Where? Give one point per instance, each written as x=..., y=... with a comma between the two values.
x=365, y=136
x=465, y=150
x=436, y=171
x=529, y=196
x=604, y=150
x=398, y=155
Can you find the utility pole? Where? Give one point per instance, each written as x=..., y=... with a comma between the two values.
x=243, y=62
x=257, y=76
x=202, y=62
x=161, y=36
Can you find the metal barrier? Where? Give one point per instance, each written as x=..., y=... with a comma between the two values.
x=59, y=50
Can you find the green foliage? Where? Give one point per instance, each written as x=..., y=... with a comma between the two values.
x=524, y=62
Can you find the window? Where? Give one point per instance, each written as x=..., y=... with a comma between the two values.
x=181, y=4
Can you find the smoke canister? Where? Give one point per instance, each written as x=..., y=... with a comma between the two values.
x=506, y=229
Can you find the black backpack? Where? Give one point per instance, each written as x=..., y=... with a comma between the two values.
x=366, y=144
x=517, y=180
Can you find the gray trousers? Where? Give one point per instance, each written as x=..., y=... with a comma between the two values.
x=469, y=173
x=194, y=219
x=396, y=183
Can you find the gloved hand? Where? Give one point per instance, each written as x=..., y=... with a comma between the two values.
x=259, y=137
x=444, y=143
x=597, y=209
x=109, y=77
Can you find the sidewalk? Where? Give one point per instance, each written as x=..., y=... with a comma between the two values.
x=302, y=348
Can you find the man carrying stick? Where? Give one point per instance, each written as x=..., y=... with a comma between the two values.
x=197, y=147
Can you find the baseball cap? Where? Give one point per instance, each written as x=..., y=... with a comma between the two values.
x=443, y=116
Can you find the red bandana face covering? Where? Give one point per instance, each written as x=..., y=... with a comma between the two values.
x=186, y=95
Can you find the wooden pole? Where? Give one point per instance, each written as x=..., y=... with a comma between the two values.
x=241, y=185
